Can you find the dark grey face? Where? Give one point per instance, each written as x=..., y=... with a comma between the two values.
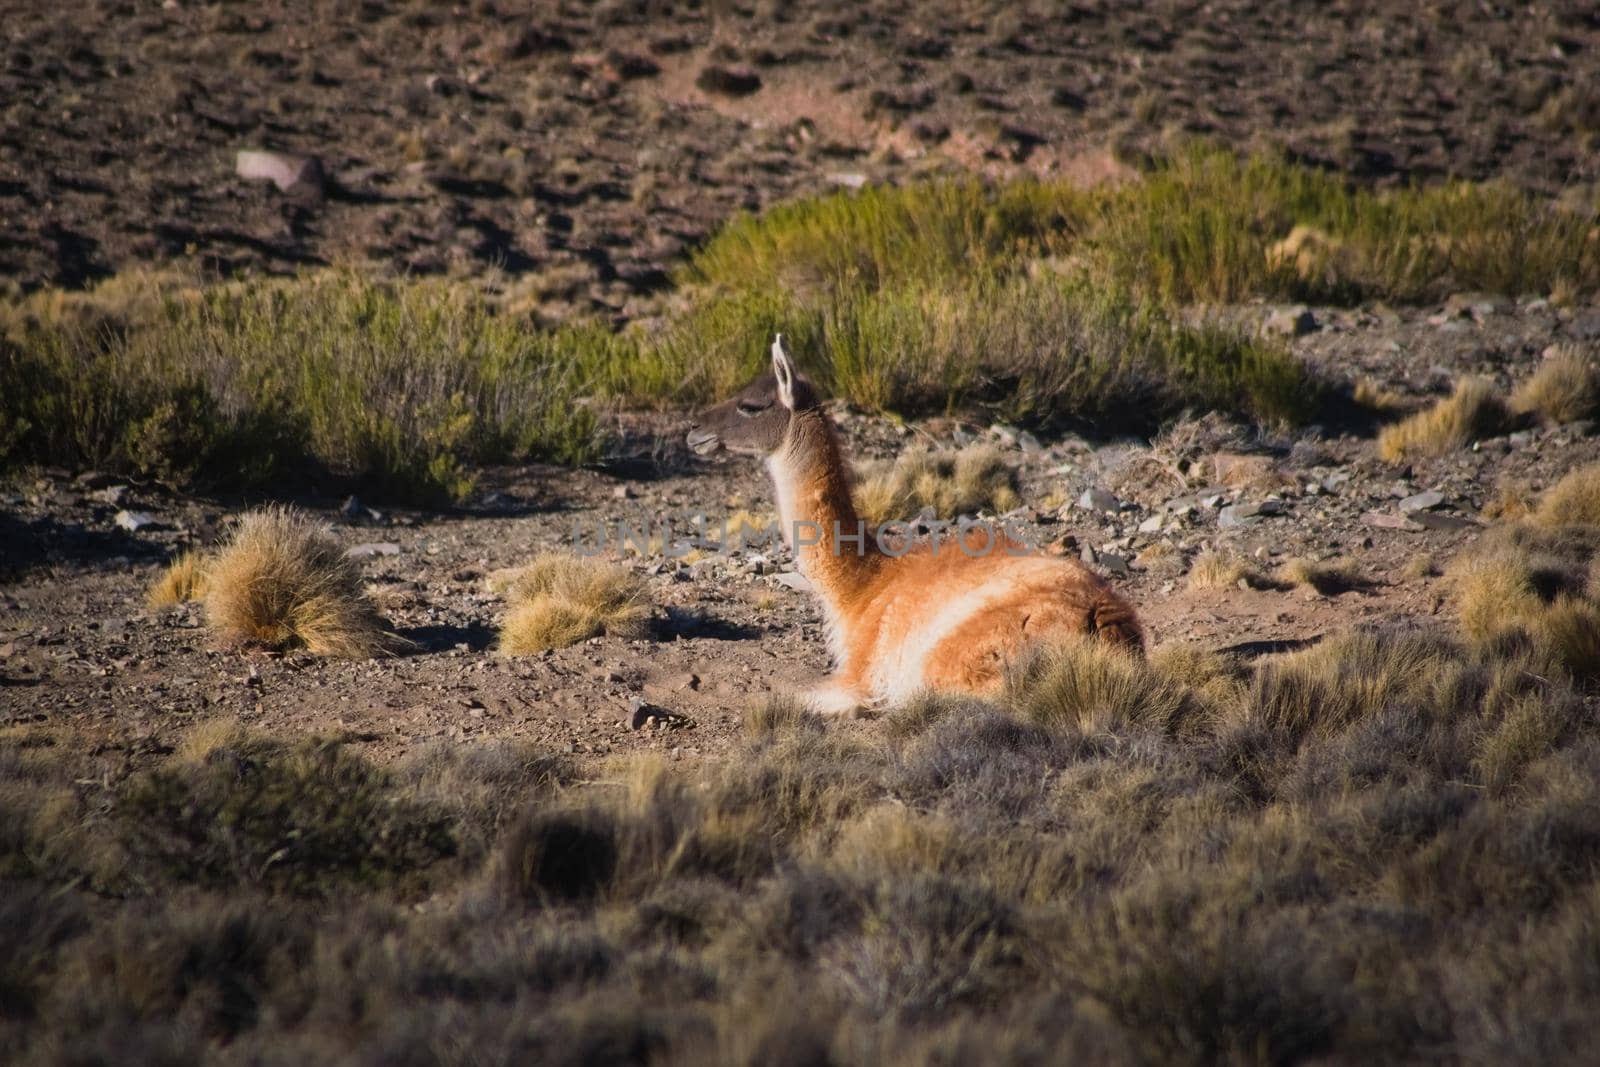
x=753, y=422
x=756, y=420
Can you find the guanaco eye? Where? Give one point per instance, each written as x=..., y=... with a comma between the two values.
x=750, y=407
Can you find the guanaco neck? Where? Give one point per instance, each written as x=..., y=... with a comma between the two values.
x=814, y=505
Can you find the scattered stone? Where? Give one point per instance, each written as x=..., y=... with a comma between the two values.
x=1247, y=514
x=1006, y=435
x=639, y=713
x=1291, y=322
x=1029, y=443
x=1433, y=520
x=1389, y=521
x=1114, y=564
x=1099, y=500
x=134, y=521
x=373, y=548
x=112, y=494
x=848, y=179
x=622, y=492
x=793, y=580
x=728, y=81
x=1151, y=525
x=1422, y=501
x=1586, y=325
x=291, y=174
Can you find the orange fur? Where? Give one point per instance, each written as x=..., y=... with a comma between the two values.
x=946, y=615
x=898, y=624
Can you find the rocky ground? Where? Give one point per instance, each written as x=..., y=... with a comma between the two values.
x=580, y=148
x=79, y=649
x=573, y=155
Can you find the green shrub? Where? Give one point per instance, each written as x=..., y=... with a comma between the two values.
x=402, y=384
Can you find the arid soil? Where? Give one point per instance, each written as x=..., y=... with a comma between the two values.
x=580, y=148
x=574, y=154
x=80, y=650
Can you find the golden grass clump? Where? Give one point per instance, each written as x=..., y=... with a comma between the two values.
x=559, y=600
x=1222, y=570
x=1534, y=581
x=1344, y=680
x=1326, y=576
x=952, y=482
x=1573, y=501
x=183, y=580
x=1418, y=566
x=1565, y=388
x=1374, y=396
x=1511, y=500
x=1096, y=688
x=283, y=581
x=1474, y=410
x=778, y=713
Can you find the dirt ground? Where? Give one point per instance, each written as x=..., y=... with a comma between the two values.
x=80, y=651
x=575, y=154
x=581, y=148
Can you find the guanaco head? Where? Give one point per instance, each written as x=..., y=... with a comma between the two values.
x=756, y=421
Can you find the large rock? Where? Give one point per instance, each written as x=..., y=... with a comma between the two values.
x=291, y=174
x=1102, y=500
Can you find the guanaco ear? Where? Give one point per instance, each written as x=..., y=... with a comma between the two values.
x=783, y=370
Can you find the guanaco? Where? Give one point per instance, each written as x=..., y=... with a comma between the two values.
x=901, y=619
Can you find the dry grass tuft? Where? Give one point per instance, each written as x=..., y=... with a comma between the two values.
x=1373, y=396
x=780, y=713
x=207, y=737
x=1223, y=570
x=1535, y=582
x=1511, y=500
x=951, y=482
x=1565, y=388
x=1472, y=411
x=1095, y=688
x=1345, y=680
x=1573, y=501
x=559, y=600
x=183, y=580
x=1326, y=577
x=283, y=581
x=1418, y=566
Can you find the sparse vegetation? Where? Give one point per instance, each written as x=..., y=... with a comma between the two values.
x=559, y=600
x=282, y=581
x=182, y=581
x=1148, y=837
x=1203, y=226
x=952, y=482
x=1565, y=388
x=1223, y=570
x=401, y=384
x=1573, y=501
x=1039, y=300
x=1533, y=583
x=1473, y=410
x=1325, y=576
